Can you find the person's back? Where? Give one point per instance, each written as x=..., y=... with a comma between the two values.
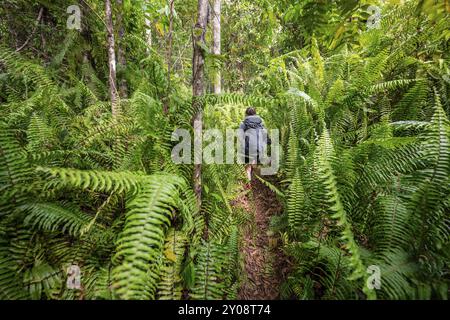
x=255, y=139
x=253, y=122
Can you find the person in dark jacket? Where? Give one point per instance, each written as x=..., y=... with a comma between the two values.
x=255, y=143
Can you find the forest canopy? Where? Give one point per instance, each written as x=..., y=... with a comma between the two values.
x=92, y=205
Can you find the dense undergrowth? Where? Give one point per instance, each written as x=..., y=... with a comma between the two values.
x=364, y=175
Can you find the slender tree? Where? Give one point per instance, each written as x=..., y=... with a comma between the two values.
x=148, y=31
x=169, y=56
x=111, y=59
x=122, y=60
x=198, y=85
x=216, y=22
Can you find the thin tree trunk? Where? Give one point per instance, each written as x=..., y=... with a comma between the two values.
x=123, y=87
x=148, y=33
x=198, y=85
x=111, y=60
x=148, y=28
x=169, y=57
x=217, y=85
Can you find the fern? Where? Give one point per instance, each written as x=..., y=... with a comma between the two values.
x=428, y=201
x=170, y=285
x=323, y=155
x=296, y=198
x=209, y=283
x=51, y=217
x=140, y=244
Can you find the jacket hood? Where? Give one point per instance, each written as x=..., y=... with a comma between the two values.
x=252, y=121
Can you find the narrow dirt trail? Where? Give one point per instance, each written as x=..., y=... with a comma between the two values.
x=263, y=258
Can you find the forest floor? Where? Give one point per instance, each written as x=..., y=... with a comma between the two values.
x=261, y=248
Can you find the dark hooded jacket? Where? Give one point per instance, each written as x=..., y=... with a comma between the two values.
x=255, y=140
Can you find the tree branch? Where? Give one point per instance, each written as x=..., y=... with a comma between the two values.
x=41, y=11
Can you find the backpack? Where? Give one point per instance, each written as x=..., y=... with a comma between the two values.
x=257, y=126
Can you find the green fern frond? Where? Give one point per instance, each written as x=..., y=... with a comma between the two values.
x=209, y=283
x=170, y=285
x=139, y=246
x=428, y=201
x=101, y=181
x=323, y=155
x=295, y=203
x=52, y=217
x=42, y=279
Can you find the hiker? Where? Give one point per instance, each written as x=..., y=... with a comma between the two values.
x=255, y=141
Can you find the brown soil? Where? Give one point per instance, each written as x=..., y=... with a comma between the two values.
x=263, y=258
